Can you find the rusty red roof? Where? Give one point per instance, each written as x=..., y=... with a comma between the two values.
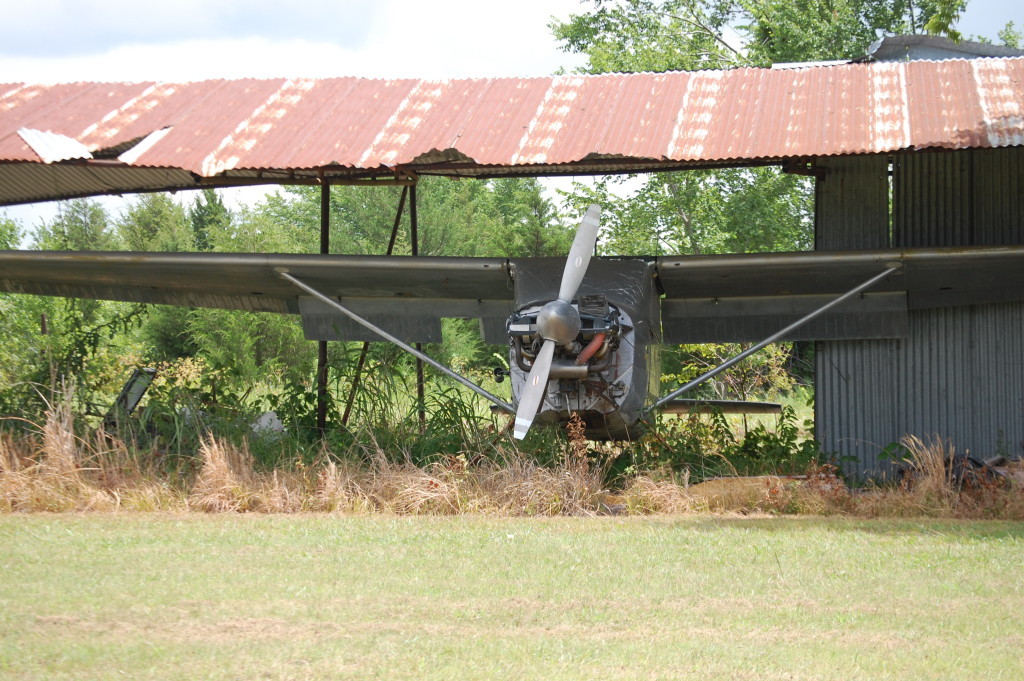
x=87, y=138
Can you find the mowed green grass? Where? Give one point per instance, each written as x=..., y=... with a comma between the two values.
x=329, y=597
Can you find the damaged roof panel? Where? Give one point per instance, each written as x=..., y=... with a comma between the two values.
x=206, y=136
x=249, y=130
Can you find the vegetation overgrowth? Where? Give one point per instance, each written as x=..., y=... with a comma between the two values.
x=61, y=467
x=219, y=372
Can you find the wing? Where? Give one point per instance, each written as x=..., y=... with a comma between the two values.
x=407, y=295
x=749, y=297
x=707, y=298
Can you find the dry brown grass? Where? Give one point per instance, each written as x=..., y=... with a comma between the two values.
x=227, y=481
x=510, y=484
x=936, y=486
x=56, y=470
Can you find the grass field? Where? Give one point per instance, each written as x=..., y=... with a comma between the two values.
x=189, y=596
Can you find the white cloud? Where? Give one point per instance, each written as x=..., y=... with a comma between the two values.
x=437, y=39
x=399, y=38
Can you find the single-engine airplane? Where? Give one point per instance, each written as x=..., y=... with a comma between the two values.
x=583, y=334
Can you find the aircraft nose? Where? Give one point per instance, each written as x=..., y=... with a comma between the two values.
x=558, y=321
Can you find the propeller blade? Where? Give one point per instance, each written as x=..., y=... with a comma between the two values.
x=579, y=254
x=533, y=391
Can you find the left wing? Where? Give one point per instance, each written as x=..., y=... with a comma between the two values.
x=747, y=297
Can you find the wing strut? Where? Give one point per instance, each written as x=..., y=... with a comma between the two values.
x=892, y=267
x=405, y=346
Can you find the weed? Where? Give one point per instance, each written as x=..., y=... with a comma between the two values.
x=58, y=468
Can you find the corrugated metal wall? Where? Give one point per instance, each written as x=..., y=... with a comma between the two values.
x=960, y=372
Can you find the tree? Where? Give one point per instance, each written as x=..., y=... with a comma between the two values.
x=10, y=234
x=207, y=214
x=48, y=339
x=154, y=222
x=80, y=225
x=528, y=223
x=665, y=35
x=1010, y=36
x=650, y=35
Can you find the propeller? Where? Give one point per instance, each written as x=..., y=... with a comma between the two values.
x=558, y=321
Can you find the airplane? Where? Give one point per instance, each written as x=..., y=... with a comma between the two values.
x=583, y=334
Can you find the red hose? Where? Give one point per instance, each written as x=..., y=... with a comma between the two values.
x=593, y=346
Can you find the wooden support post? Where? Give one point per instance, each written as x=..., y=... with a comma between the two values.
x=414, y=234
x=321, y=356
x=366, y=345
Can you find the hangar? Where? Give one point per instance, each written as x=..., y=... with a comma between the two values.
x=906, y=154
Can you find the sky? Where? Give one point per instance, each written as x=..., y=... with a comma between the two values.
x=45, y=41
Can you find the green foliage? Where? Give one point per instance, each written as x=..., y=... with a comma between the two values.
x=85, y=342
x=650, y=35
x=10, y=234
x=703, y=212
x=80, y=225
x=501, y=218
x=667, y=35
x=811, y=30
x=780, y=450
x=944, y=14
x=707, y=447
x=87, y=352
x=207, y=215
x=527, y=224
x=456, y=426
x=259, y=230
x=154, y=222
x=165, y=335
x=1010, y=36
x=764, y=373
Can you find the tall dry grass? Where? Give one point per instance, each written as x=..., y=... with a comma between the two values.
x=507, y=485
x=937, y=483
x=57, y=470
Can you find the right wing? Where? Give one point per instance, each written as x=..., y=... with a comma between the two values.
x=406, y=295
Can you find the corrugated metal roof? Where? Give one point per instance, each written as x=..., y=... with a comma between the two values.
x=240, y=130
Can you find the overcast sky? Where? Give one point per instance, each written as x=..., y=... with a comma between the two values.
x=174, y=40
x=48, y=40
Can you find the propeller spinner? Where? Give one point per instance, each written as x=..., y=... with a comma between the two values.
x=558, y=322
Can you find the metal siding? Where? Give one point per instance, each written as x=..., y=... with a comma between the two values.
x=857, y=402
x=966, y=198
x=932, y=199
x=959, y=375
x=960, y=372
x=852, y=204
x=962, y=375
x=998, y=175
